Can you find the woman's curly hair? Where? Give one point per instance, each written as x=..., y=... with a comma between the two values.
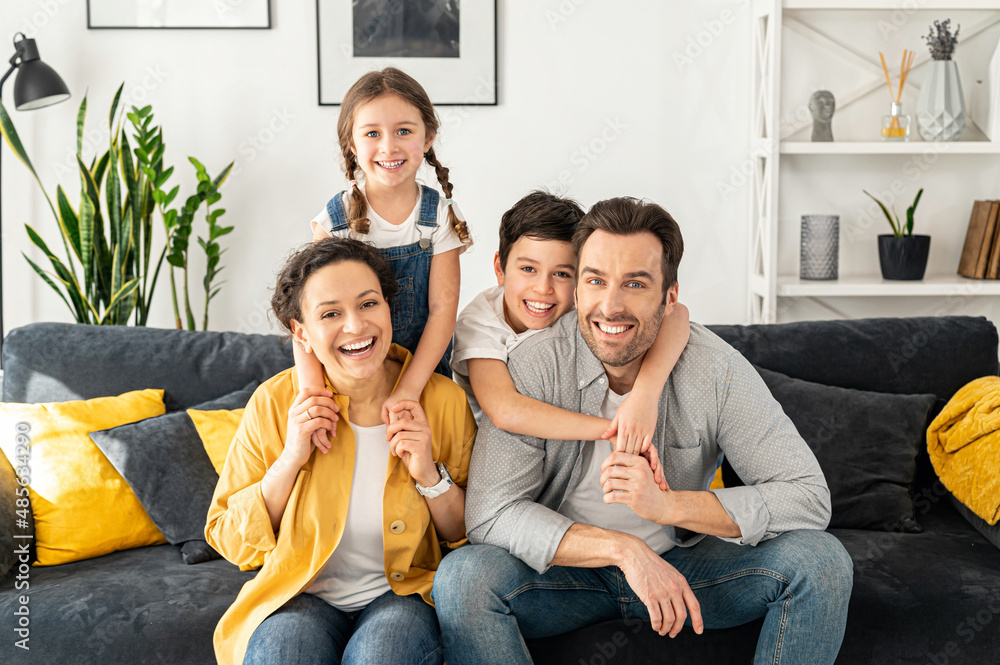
x=286, y=301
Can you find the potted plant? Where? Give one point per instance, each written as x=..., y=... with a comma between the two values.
x=110, y=232
x=941, y=105
x=902, y=255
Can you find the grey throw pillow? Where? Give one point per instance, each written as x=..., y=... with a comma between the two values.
x=164, y=462
x=866, y=443
x=8, y=516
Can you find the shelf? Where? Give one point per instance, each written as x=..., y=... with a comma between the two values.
x=891, y=5
x=816, y=24
x=890, y=148
x=934, y=285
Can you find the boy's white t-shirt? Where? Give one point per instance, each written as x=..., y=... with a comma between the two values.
x=482, y=332
x=383, y=234
x=354, y=575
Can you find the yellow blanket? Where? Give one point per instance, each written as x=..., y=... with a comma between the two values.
x=964, y=445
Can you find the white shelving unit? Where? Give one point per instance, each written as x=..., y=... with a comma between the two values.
x=874, y=285
x=770, y=278
x=880, y=148
x=892, y=5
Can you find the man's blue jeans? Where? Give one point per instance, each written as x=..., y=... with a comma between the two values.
x=488, y=601
x=307, y=630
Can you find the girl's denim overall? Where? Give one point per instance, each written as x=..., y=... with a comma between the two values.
x=412, y=267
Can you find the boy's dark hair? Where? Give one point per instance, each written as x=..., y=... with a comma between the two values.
x=538, y=215
x=625, y=216
x=286, y=301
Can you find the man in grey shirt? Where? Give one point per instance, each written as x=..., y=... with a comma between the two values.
x=569, y=533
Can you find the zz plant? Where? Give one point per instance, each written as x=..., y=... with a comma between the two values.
x=112, y=239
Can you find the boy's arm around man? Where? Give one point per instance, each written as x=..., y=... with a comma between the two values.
x=517, y=483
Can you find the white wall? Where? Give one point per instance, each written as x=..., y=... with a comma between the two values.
x=568, y=69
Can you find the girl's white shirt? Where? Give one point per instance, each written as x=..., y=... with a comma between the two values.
x=384, y=235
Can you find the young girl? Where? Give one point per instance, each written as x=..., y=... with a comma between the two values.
x=386, y=130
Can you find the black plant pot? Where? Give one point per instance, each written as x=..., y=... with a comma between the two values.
x=903, y=258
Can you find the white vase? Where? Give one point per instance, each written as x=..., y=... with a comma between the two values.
x=941, y=105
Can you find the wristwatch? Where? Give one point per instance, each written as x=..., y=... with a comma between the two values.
x=441, y=487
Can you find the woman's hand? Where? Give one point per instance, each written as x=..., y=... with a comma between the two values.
x=313, y=410
x=409, y=437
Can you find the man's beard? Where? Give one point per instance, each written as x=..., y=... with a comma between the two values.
x=642, y=338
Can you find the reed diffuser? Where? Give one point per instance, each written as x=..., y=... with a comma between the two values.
x=896, y=125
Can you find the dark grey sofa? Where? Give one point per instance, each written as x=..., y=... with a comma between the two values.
x=915, y=594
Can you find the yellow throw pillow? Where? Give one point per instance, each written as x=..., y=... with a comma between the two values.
x=717, y=483
x=82, y=506
x=216, y=430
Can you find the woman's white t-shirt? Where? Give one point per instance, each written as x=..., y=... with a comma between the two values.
x=354, y=575
x=384, y=235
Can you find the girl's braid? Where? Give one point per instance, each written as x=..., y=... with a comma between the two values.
x=461, y=228
x=357, y=209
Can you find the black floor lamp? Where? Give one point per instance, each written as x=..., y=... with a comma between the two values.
x=36, y=85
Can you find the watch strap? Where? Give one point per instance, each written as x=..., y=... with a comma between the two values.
x=441, y=487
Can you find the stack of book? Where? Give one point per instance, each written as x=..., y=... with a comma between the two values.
x=981, y=254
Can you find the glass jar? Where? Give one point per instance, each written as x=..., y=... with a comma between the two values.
x=819, y=247
x=896, y=126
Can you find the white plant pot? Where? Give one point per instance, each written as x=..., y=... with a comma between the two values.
x=941, y=105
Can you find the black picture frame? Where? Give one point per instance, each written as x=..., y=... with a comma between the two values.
x=266, y=3
x=479, y=91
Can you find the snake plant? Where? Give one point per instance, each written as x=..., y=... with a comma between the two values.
x=899, y=229
x=112, y=239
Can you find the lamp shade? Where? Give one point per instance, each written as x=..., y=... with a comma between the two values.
x=37, y=84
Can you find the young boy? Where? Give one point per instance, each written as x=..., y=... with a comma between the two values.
x=536, y=277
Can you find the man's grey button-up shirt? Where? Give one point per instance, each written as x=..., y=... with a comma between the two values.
x=714, y=403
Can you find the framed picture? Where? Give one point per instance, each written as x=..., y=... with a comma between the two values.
x=179, y=14
x=449, y=46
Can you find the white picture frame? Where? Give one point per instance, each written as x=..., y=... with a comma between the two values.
x=178, y=14
x=453, y=55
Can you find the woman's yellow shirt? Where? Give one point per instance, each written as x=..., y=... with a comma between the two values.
x=313, y=522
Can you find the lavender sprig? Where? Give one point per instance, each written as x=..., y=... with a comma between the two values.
x=942, y=42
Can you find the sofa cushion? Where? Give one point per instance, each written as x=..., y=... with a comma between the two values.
x=82, y=506
x=934, y=354
x=632, y=641
x=141, y=606
x=164, y=462
x=8, y=515
x=930, y=597
x=990, y=531
x=866, y=443
x=918, y=355
x=216, y=429
x=56, y=362
x=199, y=551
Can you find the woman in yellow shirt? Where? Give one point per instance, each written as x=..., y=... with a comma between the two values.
x=350, y=536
